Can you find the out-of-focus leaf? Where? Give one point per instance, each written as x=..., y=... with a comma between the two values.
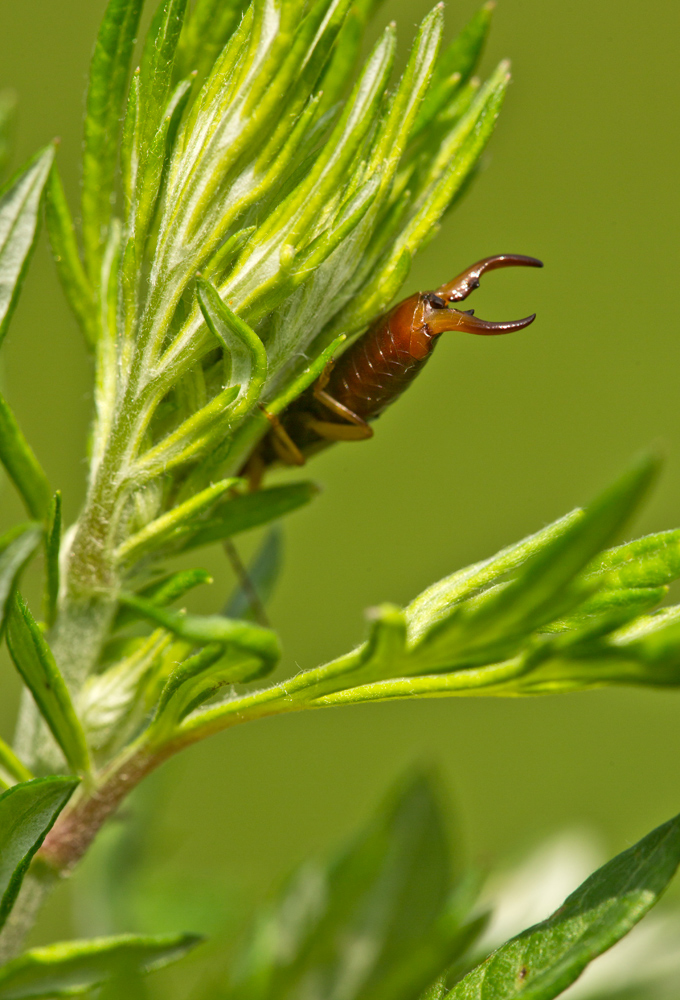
x=52, y=546
x=263, y=573
x=22, y=466
x=16, y=548
x=205, y=33
x=544, y=960
x=8, y=103
x=19, y=216
x=35, y=662
x=362, y=923
x=27, y=813
x=646, y=562
x=11, y=768
x=244, y=512
x=75, y=967
x=66, y=255
x=109, y=73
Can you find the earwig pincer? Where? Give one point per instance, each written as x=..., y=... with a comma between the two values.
x=375, y=370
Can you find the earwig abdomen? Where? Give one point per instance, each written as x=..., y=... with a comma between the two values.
x=381, y=364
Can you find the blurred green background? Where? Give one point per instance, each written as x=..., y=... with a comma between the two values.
x=497, y=437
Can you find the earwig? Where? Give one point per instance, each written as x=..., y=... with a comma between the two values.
x=375, y=370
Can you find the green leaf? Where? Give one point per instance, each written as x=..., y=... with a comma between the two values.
x=263, y=573
x=109, y=73
x=244, y=351
x=77, y=966
x=246, y=638
x=363, y=921
x=541, y=590
x=8, y=103
x=20, y=204
x=205, y=33
x=11, y=768
x=16, y=548
x=52, y=548
x=244, y=512
x=455, y=66
x=34, y=660
x=179, y=519
x=22, y=466
x=544, y=960
x=166, y=590
x=27, y=813
x=66, y=255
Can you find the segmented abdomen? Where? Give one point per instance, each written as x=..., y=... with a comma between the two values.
x=382, y=363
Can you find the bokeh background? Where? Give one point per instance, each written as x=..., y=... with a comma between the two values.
x=497, y=438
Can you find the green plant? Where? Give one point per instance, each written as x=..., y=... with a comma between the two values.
x=260, y=205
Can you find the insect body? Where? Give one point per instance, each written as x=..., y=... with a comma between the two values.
x=377, y=368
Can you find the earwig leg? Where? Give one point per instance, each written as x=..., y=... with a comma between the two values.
x=284, y=446
x=254, y=470
x=354, y=429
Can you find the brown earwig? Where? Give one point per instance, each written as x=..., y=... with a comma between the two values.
x=375, y=370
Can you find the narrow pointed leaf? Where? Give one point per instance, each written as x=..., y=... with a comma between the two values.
x=164, y=591
x=245, y=351
x=244, y=637
x=16, y=548
x=245, y=512
x=456, y=65
x=75, y=967
x=66, y=255
x=109, y=73
x=52, y=549
x=263, y=573
x=34, y=660
x=22, y=466
x=8, y=105
x=544, y=960
x=27, y=813
x=19, y=216
x=13, y=768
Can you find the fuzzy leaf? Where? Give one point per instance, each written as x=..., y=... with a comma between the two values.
x=34, y=660
x=20, y=204
x=27, y=813
x=22, y=466
x=544, y=960
x=244, y=512
x=166, y=590
x=176, y=521
x=246, y=638
x=75, y=967
x=245, y=352
x=109, y=73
